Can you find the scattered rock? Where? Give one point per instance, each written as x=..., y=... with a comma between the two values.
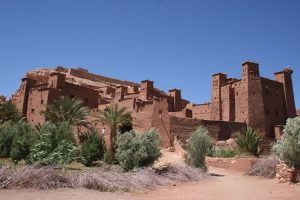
x=229, y=144
x=286, y=174
x=160, y=167
x=171, y=149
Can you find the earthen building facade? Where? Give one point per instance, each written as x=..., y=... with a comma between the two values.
x=253, y=101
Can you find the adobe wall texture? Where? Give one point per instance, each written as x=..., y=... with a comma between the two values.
x=261, y=103
x=201, y=111
x=182, y=128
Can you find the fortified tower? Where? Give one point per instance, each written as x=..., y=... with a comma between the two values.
x=176, y=94
x=146, y=89
x=120, y=92
x=20, y=99
x=57, y=81
x=285, y=77
x=251, y=104
x=216, y=106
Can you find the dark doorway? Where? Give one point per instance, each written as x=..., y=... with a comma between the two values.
x=125, y=128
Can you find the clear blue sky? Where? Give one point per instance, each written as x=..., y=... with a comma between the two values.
x=176, y=43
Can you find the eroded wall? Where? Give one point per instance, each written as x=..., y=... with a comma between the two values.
x=182, y=128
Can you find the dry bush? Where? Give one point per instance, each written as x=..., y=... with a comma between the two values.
x=104, y=178
x=114, y=179
x=32, y=177
x=265, y=168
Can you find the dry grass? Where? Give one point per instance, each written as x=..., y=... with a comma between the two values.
x=104, y=178
x=265, y=168
x=32, y=177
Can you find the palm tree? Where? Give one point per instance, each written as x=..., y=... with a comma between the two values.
x=67, y=110
x=9, y=113
x=115, y=118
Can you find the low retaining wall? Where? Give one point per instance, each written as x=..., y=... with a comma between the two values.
x=239, y=164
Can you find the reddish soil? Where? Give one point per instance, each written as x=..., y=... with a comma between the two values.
x=224, y=184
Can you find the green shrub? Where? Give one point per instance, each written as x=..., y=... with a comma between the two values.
x=221, y=153
x=92, y=149
x=55, y=146
x=16, y=140
x=288, y=147
x=197, y=147
x=23, y=138
x=248, y=141
x=6, y=140
x=135, y=150
x=109, y=158
x=9, y=113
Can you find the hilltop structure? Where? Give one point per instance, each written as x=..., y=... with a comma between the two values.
x=235, y=103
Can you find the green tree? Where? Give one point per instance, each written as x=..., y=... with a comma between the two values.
x=92, y=148
x=56, y=145
x=137, y=150
x=115, y=118
x=198, y=146
x=70, y=111
x=67, y=110
x=9, y=113
x=6, y=140
x=23, y=139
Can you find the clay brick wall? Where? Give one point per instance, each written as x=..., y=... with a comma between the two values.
x=143, y=116
x=226, y=92
x=241, y=101
x=182, y=128
x=176, y=95
x=186, y=112
x=88, y=96
x=39, y=98
x=20, y=98
x=215, y=107
x=274, y=105
x=161, y=121
x=285, y=77
x=201, y=111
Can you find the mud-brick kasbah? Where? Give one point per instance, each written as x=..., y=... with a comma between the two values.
x=252, y=100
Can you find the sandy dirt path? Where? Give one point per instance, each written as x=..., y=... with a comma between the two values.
x=225, y=185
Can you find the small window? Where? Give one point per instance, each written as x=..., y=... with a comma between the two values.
x=276, y=113
x=42, y=101
x=32, y=110
x=160, y=111
x=268, y=111
x=237, y=94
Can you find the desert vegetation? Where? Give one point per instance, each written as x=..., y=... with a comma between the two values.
x=248, y=141
x=288, y=147
x=265, y=168
x=198, y=146
x=137, y=150
x=44, y=157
